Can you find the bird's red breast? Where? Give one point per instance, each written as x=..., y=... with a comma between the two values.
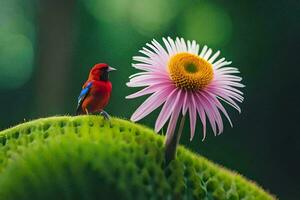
x=98, y=96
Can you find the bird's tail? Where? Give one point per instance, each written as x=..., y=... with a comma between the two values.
x=79, y=111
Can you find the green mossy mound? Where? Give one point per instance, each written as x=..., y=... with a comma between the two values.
x=86, y=157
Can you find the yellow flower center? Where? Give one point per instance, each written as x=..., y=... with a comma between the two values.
x=189, y=71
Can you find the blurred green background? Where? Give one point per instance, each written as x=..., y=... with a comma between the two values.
x=47, y=48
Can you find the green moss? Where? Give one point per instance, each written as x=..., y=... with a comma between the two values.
x=87, y=157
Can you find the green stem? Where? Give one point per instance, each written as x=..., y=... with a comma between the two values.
x=172, y=143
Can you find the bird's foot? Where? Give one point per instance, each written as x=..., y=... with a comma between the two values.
x=105, y=115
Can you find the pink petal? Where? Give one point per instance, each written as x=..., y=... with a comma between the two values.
x=203, y=51
x=156, y=60
x=185, y=104
x=192, y=114
x=217, y=66
x=148, y=90
x=214, y=110
x=189, y=47
x=157, y=56
x=232, y=89
x=143, y=59
x=173, y=121
x=183, y=44
x=227, y=77
x=146, y=67
x=178, y=45
x=220, y=106
x=197, y=49
x=201, y=114
x=227, y=70
x=167, y=109
x=145, y=80
x=150, y=104
x=224, y=97
x=227, y=87
x=168, y=46
x=208, y=112
x=213, y=58
x=208, y=53
x=161, y=50
x=194, y=47
x=233, y=95
x=147, y=52
x=229, y=83
x=139, y=74
x=218, y=62
x=172, y=43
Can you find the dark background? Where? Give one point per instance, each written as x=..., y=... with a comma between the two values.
x=48, y=47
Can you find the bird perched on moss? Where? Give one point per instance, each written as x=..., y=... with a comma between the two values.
x=95, y=93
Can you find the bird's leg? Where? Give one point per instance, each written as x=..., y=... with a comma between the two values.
x=105, y=115
x=86, y=111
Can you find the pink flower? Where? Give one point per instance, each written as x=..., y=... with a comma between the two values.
x=184, y=81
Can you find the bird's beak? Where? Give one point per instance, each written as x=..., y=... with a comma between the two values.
x=111, y=69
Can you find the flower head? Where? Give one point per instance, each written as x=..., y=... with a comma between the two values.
x=184, y=81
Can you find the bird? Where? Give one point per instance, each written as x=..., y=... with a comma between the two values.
x=96, y=91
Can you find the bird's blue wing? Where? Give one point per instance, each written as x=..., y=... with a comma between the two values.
x=84, y=92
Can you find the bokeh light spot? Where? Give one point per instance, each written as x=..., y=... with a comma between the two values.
x=147, y=16
x=16, y=60
x=153, y=16
x=109, y=11
x=208, y=24
x=16, y=45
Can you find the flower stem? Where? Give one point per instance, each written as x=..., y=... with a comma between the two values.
x=172, y=143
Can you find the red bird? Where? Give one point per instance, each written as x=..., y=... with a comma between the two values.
x=96, y=91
